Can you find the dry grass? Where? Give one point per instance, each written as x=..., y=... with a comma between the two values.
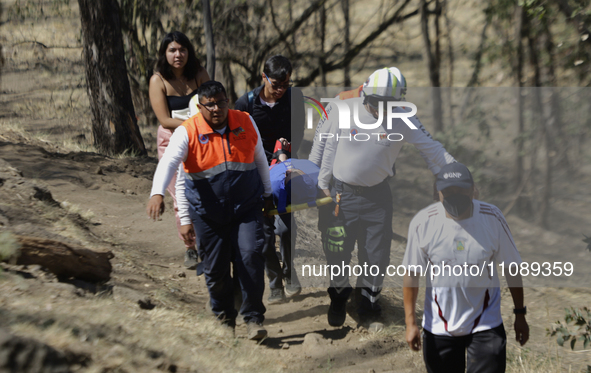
x=44, y=96
x=8, y=245
x=58, y=138
x=76, y=209
x=117, y=334
x=523, y=360
x=12, y=127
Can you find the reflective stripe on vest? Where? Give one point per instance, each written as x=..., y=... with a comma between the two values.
x=229, y=166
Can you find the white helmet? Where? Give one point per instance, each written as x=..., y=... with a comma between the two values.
x=386, y=82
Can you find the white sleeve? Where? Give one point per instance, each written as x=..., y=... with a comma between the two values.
x=415, y=254
x=430, y=165
x=260, y=159
x=506, y=250
x=175, y=153
x=181, y=200
x=323, y=126
x=328, y=157
x=431, y=150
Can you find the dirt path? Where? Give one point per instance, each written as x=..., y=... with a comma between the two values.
x=101, y=205
x=110, y=194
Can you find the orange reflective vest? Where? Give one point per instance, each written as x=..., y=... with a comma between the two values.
x=222, y=179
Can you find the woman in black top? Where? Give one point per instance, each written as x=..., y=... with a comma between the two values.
x=173, y=85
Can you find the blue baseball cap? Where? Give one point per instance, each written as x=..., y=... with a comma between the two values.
x=454, y=174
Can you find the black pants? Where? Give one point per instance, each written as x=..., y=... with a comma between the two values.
x=272, y=265
x=284, y=226
x=286, y=229
x=366, y=216
x=486, y=352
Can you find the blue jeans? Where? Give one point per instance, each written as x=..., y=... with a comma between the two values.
x=239, y=242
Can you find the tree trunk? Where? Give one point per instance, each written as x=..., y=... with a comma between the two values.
x=544, y=208
x=114, y=124
x=450, y=49
x=293, y=35
x=322, y=25
x=476, y=72
x=187, y=16
x=478, y=58
x=1, y=54
x=208, y=30
x=438, y=39
x=229, y=79
x=518, y=71
x=347, y=42
x=559, y=135
x=450, y=69
x=433, y=63
x=547, y=117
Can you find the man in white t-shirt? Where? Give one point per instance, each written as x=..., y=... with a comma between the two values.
x=457, y=244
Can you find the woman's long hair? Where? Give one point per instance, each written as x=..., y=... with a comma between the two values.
x=191, y=68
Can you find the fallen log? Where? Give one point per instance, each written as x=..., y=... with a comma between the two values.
x=65, y=260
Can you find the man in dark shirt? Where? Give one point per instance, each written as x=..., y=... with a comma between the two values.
x=270, y=105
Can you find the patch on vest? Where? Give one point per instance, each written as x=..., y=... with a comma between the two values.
x=204, y=139
x=238, y=131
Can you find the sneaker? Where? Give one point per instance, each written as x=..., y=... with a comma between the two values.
x=292, y=288
x=369, y=311
x=370, y=315
x=277, y=296
x=191, y=259
x=256, y=331
x=337, y=312
x=376, y=327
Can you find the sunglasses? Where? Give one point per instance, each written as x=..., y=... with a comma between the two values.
x=278, y=86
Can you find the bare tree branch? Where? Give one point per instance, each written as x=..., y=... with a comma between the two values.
x=356, y=49
x=478, y=58
x=269, y=44
x=208, y=31
x=46, y=46
x=287, y=44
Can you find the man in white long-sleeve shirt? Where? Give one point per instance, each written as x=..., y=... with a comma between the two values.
x=326, y=123
x=358, y=162
x=226, y=178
